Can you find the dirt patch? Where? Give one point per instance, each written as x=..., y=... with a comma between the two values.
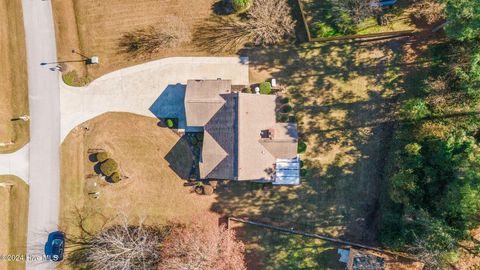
x=95, y=27
x=14, y=221
x=152, y=190
x=13, y=77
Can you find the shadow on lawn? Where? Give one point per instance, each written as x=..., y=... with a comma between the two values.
x=346, y=156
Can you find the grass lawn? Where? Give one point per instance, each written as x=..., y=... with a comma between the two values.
x=95, y=26
x=344, y=97
x=323, y=23
x=13, y=224
x=13, y=77
x=152, y=191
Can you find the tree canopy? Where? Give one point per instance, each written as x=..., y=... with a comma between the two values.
x=463, y=19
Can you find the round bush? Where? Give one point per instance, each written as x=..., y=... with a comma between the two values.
x=207, y=190
x=115, y=177
x=285, y=100
x=108, y=167
x=286, y=108
x=102, y=156
x=241, y=5
x=169, y=123
x=302, y=147
x=265, y=88
x=303, y=172
x=282, y=118
x=199, y=137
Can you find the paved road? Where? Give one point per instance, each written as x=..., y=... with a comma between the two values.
x=136, y=89
x=44, y=172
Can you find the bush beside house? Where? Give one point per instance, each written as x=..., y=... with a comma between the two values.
x=265, y=88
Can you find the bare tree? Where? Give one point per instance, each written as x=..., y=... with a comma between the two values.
x=270, y=22
x=121, y=246
x=358, y=10
x=170, y=33
x=431, y=259
x=267, y=22
x=430, y=10
x=202, y=245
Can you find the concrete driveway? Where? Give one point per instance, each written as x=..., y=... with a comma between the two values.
x=16, y=163
x=136, y=89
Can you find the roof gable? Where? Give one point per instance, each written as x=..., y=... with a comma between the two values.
x=203, y=100
x=212, y=155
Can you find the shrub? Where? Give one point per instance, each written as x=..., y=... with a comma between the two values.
x=284, y=100
x=115, y=177
x=282, y=118
x=169, y=123
x=415, y=109
x=286, y=108
x=303, y=172
x=199, y=137
x=102, y=156
x=321, y=29
x=207, y=190
x=108, y=167
x=241, y=5
x=292, y=119
x=194, y=140
x=302, y=147
x=265, y=88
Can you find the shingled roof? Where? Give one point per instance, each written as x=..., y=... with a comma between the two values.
x=235, y=146
x=218, y=154
x=203, y=100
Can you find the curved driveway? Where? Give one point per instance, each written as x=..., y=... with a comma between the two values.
x=136, y=88
x=132, y=89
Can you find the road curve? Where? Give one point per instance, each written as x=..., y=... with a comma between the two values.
x=44, y=98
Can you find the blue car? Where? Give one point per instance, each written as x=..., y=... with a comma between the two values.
x=383, y=3
x=54, y=246
x=387, y=3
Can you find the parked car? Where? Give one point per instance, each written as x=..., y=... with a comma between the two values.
x=54, y=246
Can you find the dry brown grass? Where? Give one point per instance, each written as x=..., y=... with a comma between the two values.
x=95, y=28
x=152, y=191
x=13, y=222
x=13, y=76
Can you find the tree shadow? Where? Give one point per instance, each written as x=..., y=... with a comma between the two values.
x=345, y=98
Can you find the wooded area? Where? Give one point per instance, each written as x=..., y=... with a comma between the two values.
x=434, y=180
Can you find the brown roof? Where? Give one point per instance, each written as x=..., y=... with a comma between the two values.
x=202, y=100
x=283, y=143
x=221, y=130
x=257, y=155
x=242, y=140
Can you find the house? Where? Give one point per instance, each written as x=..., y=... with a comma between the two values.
x=356, y=260
x=242, y=140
